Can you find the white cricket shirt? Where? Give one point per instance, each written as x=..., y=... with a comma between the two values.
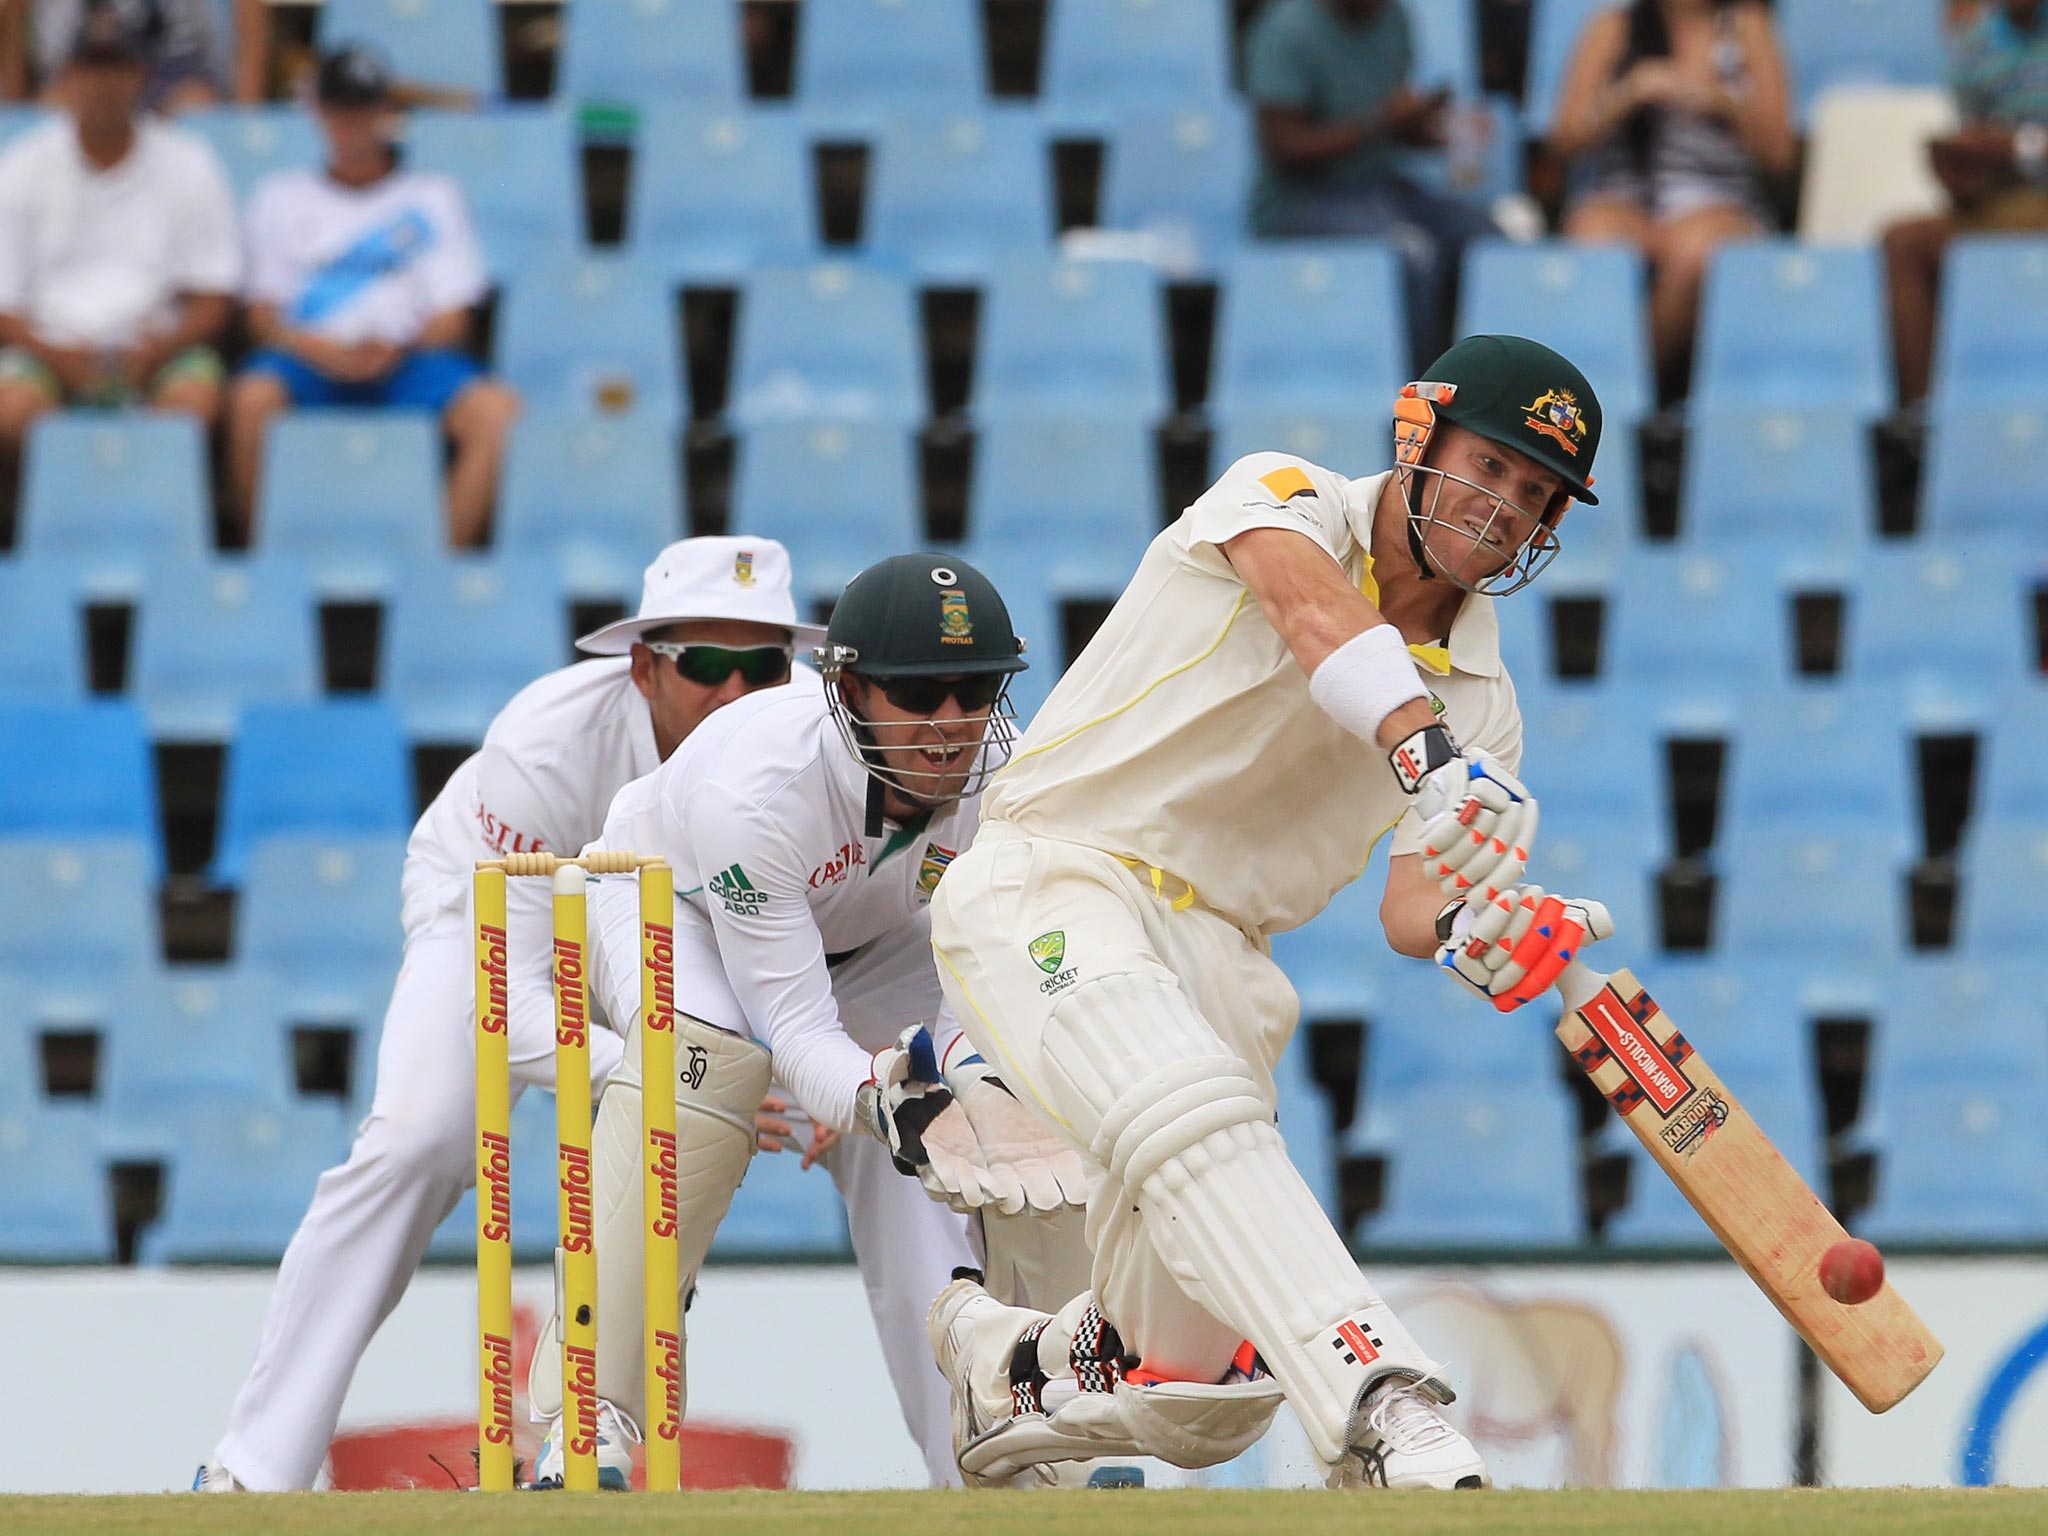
x=1184, y=736
x=762, y=815
x=371, y=263
x=98, y=258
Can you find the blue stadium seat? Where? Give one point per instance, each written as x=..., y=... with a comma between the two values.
x=1962, y=1017
x=253, y=141
x=1446, y=34
x=1977, y=593
x=335, y=768
x=190, y=1042
x=889, y=55
x=354, y=494
x=42, y=633
x=325, y=904
x=1993, y=329
x=597, y=496
x=465, y=633
x=78, y=905
x=1779, y=478
x=1554, y=29
x=1427, y=1031
x=1584, y=300
x=2012, y=768
x=521, y=216
x=1311, y=325
x=1077, y=492
x=1181, y=173
x=596, y=335
x=2002, y=855
x=1343, y=439
x=783, y=1211
x=1493, y=1163
x=1784, y=325
x=449, y=43
x=1489, y=164
x=860, y=495
x=1859, y=42
x=1780, y=897
x=76, y=770
x=1701, y=630
x=1338, y=960
x=715, y=193
x=211, y=637
x=1984, y=459
x=56, y=1204
x=1588, y=777
x=239, y=1181
x=1824, y=760
x=1073, y=336
x=114, y=491
x=1958, y=1161
x=1613, y=859
x=952, y=194
x=653, y=52
x=1036, y=585
x=1305, y=1124
x=1170, y=52
x=1595, y=542
x=827, y=340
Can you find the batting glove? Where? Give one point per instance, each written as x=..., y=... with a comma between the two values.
x=906, y=1108
x=1511, y=947
x=1018, y=1147
x=1478, y=822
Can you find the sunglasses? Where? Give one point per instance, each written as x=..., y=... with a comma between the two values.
x=927, y=695
x=710, y=665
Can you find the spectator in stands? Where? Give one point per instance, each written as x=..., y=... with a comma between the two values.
x=1994, y=167
x=1673, y=116
x=1331, y=82
x=184, y=62
x=362, y=278
x=118, y=259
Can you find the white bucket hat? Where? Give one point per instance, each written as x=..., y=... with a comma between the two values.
x=710, y=578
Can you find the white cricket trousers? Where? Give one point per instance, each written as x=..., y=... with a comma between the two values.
x=1146, y=1027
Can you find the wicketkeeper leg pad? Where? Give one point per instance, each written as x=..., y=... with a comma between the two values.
x=721, y=1079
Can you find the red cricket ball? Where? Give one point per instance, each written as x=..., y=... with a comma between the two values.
x=1852, y=1271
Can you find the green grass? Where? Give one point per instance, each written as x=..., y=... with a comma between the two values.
x=1797, y=1512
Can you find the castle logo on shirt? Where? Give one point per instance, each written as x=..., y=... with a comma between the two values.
x=736, y=892
x=935, y=861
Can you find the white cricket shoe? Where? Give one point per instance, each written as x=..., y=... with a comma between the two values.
x=1399, y=1440
x=212, y=1477
x=616, y=1436
x=960, y=1311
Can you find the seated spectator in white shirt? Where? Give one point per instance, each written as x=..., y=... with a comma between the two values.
x=362, y=278
x=185, y=59
x=118, y=259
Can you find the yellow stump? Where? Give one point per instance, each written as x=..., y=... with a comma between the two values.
x=661, y=1284
x=493, y=1190
x=577, y=1253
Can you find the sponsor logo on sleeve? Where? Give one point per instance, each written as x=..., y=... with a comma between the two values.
x=736, y=892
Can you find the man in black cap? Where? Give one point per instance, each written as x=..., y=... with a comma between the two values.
x=1302, y=664
x=118, y=258
x=362, y=282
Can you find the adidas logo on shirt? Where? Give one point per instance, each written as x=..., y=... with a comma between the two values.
x=736, y=892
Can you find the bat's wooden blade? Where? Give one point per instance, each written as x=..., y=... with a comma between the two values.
x=1743, y=1188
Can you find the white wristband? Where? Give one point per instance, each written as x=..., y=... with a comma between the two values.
x=1365, y=680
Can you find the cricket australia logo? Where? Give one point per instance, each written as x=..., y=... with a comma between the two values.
x=694, y=1069
x=1048, y=950
x=736, y=892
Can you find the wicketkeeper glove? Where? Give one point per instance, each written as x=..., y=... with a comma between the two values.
x=1478, y=822
x=1510, y=948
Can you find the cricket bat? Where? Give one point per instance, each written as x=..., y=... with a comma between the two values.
x=1775, y=1227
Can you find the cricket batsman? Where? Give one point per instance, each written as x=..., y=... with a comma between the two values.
x=1301, y=664
x=808, y=828
x=716, y=621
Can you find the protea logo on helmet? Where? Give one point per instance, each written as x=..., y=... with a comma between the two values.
x=956, y=626
x=743, y=568
x=1555, y=413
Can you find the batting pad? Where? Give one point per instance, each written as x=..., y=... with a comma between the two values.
x=1187, y=1135
x=720, y=1081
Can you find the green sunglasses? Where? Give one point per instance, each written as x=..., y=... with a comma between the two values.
x=710, y=665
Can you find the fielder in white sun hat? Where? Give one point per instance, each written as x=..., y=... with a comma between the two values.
x=710, y=578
